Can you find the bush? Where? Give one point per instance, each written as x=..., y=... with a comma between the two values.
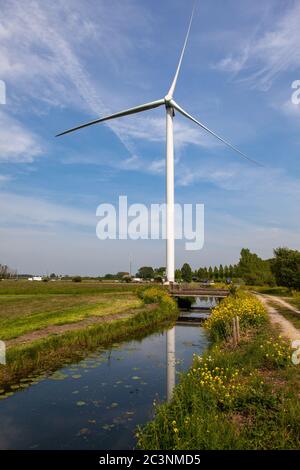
x=153, y=295
x=246, y=306
x=286, y=267
x=77, y=279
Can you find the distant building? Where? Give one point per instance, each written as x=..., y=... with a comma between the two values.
x=35, y=278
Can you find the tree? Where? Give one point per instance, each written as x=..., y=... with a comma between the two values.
x=121, y=274
x=226, y=271
x=210, y=273
x=221, y=272
x=145, y=272
x=286, y=267
x=216, y=273
x=254, y=270
x=109, y=277
x=178, y=276
x=161, y=271
x=186, y=272
x=201, y=274
x=52, y=276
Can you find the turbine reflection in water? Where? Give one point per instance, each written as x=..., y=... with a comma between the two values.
x=171, y=362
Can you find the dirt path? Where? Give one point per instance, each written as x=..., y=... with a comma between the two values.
x=60, y=329
x=287, y=328
x=284, y=303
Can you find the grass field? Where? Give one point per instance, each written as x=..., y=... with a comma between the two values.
x=44, y=324
x=30, y=306
x=8, y=287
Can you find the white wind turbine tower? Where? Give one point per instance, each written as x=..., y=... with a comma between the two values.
x=170, y=106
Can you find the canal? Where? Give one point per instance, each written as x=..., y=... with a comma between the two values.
x=98, y=402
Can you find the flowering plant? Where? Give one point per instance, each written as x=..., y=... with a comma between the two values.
x=246, y=306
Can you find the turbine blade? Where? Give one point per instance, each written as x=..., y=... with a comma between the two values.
x=173, y=86
x=184, y=113
x=137, y=109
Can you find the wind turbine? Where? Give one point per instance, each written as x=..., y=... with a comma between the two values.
x=170, y=106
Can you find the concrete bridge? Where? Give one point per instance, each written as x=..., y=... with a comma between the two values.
x=182, y=291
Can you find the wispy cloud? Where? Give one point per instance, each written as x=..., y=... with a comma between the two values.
x=18, y=210
x=39, y=52
x=51, y=68
x=238, y=177
x=272, y=52
x=153, y=129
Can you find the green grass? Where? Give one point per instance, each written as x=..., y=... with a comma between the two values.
x=279, y=291
x=14, y=322
x=258, y=408
x=8, y=287
x=29, y=306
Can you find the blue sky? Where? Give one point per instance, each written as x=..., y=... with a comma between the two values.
x=67, y=62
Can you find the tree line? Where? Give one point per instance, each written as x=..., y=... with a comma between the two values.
x=283, y=270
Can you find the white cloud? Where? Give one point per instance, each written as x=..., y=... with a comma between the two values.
x=234, y=64
x=5, y=179
x=191, y=175
x=17, y=144
x=291, y=109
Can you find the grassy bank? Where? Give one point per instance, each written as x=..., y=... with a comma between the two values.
x=51, y=352
x=233, y=398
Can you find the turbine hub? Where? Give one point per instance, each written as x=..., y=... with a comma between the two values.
x=168, y=100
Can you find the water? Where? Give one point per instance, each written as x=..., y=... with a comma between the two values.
x=205, y=303
x=98, y=402
x=200, y=308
